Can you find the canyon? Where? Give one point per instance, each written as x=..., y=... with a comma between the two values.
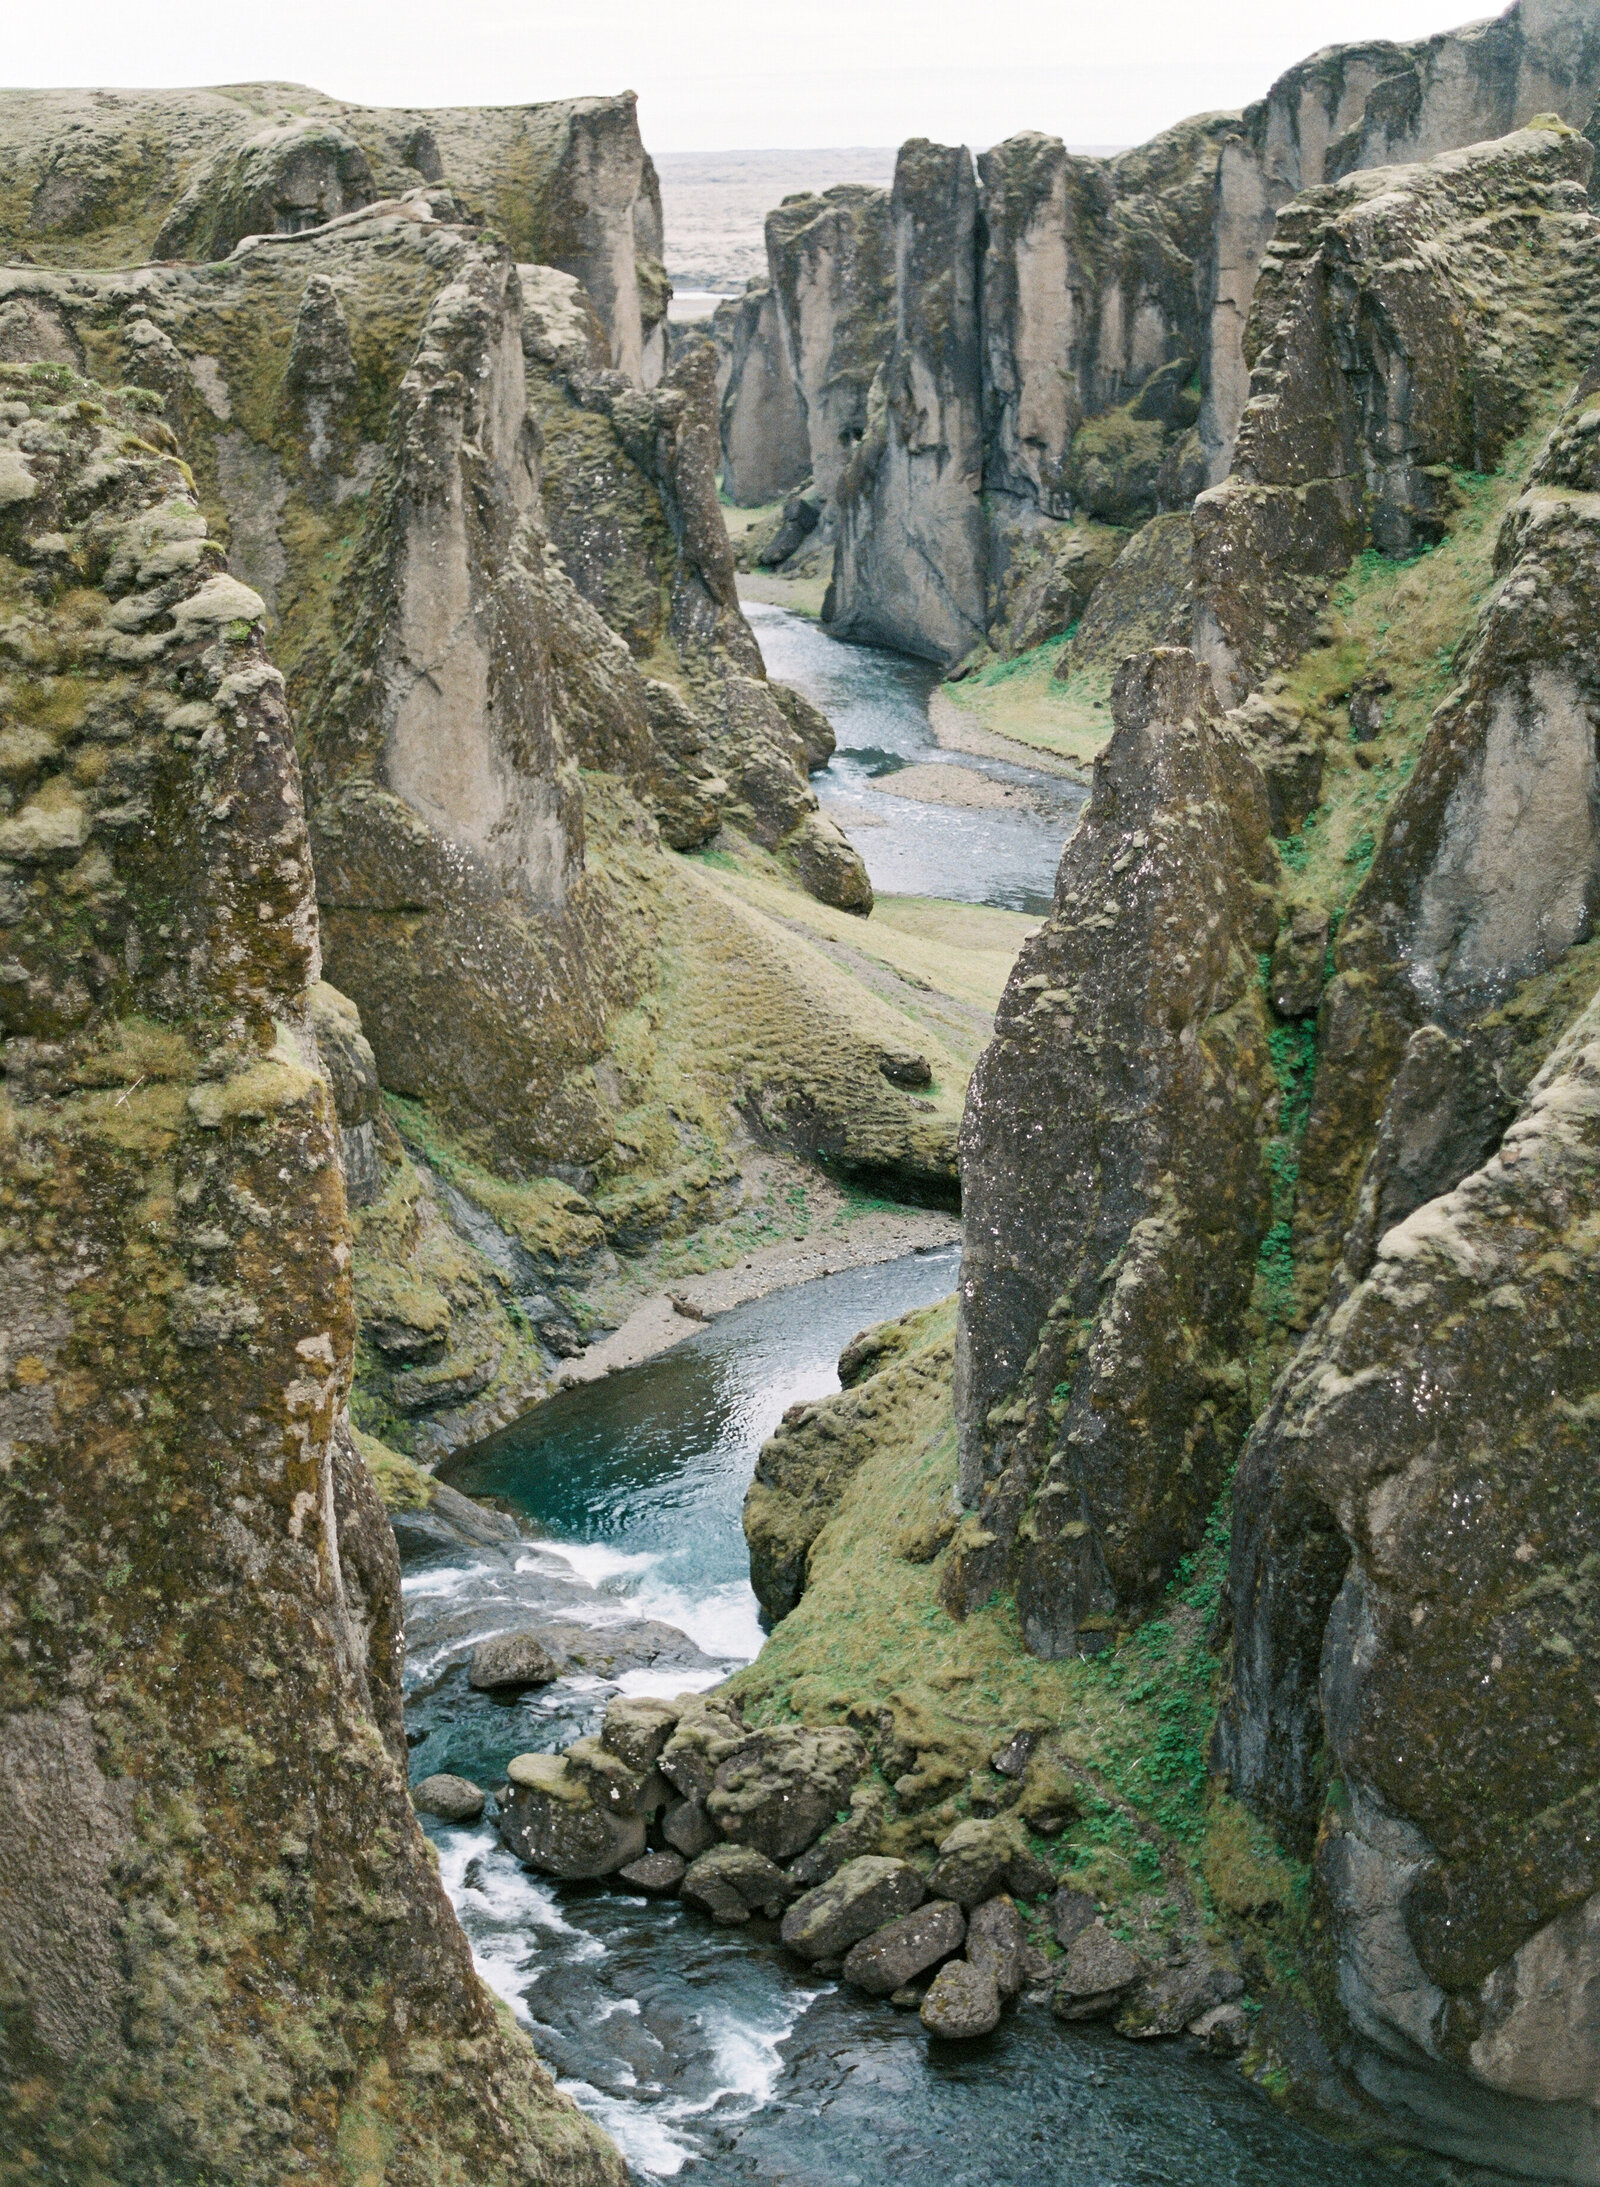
x=425, y=956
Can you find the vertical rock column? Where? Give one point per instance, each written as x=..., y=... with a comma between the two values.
x=911, y=564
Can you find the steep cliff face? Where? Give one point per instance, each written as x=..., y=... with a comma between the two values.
x=831, y=261
x=108, y=178
x=1113, y=1188
x=766, y=448
x=910, y=570
x=1405, y=322
x=225, y=1949
x=1374, y=105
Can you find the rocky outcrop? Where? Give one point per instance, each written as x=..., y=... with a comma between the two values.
x=1372, y=105
x=1413, y=1617
x=205, y=1836
x=911, y=565
x=766, y=448
x=1113, y=1195
x=831, y=267
x=1405, y=322
x=109, y=178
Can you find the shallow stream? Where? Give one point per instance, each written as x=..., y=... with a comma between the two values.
x=878, y=704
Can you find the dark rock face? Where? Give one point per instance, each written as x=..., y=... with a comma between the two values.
x=1112, y=1189
x=864, y=1895
x=1436, y=1432
x=205, y=1835
x=779, y=1789
x=766, y=449
x=896, y=1954
x=911, y=566
x=962, y=2003
x=831, y=260
x=1403, y=321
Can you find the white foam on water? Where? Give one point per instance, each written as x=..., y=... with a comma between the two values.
x=667, y=1685
x=725, y=1623
x=443, y=1581
x=644, y=2136
x=591, y=1561
x=498, y=1903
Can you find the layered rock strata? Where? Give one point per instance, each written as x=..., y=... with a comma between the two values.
x=205, y=1836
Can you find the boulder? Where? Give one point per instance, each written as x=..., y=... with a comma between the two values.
x=1070, y=1914
x=451, y=1799
x=707, y=1733
x=995, y=1941
x=512, y=1662
x=1100, y=1970
x=614, y=1784
x=1168, y=2001
x=896, y=1954
x=860, y=1832
x=658, y=1874
x=962, y=2002
x=688, y=1827
x=983, y=1855
x=1224, y=2030
x=552, y=1821
x=863, y=1896
x=778, y=1790
x=637, y=1726
x=734, y=1881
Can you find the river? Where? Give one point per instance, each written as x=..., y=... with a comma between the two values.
x=711, y=2056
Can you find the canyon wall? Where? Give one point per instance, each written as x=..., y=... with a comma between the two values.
x=114, y=178
x=1112, y=359
x=225, y=1949
x=1305, y=1129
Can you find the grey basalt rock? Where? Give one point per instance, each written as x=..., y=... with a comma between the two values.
x=656, y=1874
x=911, y=565
x=1112, y=1190
x=1098, y=1973
x=512, y=1662
x=766, y=448
x=637, y=1727
x=554, y=1821
x=1436, y=1431
x=1397, y=329
x=865, y=1894
x=831, y=264
x=893, y=1956
x=996, y=1943
x=979, y=1857
x=452, y=1799
x=779, y=1789
x=962, y=2003
x=732, y=1882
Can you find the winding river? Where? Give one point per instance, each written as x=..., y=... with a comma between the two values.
x=708, y=2054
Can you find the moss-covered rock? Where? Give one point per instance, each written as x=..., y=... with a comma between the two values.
x=230, y=1954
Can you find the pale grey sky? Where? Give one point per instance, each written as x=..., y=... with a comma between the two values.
x=716, y=74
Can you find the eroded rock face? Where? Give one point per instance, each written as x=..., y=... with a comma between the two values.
x=1435, y=1436
x=203, y=1767
x=114, y=177
x=831, y=260
x=766, y=448
x=1404, y=321
x=911, y=566
x=1372, y=105
x=1112, y=1190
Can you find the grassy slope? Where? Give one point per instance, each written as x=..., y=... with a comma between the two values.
x=1021, y=699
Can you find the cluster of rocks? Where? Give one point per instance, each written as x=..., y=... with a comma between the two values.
x=683, y=1798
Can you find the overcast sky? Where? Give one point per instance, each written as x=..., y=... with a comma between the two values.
x=718, y=74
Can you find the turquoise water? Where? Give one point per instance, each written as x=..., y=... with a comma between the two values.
x=711, y=2056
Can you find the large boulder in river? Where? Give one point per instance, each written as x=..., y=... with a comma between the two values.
x=451, y=1799
x=962, y=2003
x=707, y=1732
x=558, y=1819
x=732, y=1882
x=510, y=1663
x=637, y=1726
x=778, y=1790
x=896, y=1954
x=864, y=1895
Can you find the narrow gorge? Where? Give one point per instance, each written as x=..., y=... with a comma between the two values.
x=800, y=1147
